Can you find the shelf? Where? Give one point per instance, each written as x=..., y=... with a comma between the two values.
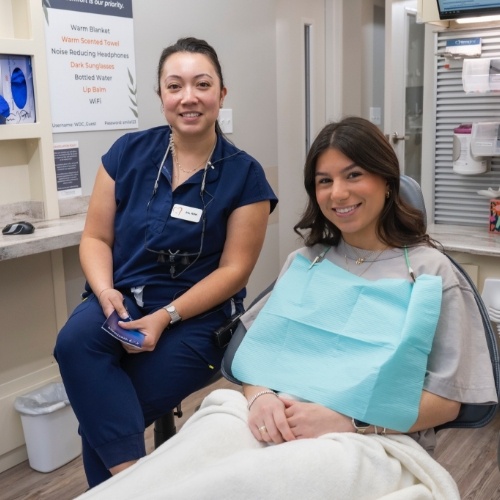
x=21, y=131
x=15, y=46
x=27, y=170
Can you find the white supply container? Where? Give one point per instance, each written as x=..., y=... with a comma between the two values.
x=485, y=139
x=464, y=162
x=50, y=427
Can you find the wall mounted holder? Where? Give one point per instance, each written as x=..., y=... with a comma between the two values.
x=481, y=75
x=485, y=138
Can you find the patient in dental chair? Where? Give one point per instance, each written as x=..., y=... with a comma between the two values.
x=369, y=340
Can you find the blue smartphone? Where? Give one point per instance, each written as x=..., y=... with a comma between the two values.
x=133, y=338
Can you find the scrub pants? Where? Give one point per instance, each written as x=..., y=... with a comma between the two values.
x=116, y=395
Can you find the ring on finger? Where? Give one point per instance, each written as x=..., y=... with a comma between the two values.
x=262, y=429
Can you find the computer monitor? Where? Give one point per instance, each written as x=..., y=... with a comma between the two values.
x=454, y=9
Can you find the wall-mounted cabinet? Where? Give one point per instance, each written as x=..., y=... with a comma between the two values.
x=428, y=12
x=27, y=172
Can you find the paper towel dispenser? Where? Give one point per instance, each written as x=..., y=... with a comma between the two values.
x=464, y=161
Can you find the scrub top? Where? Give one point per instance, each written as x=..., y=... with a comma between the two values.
x=173, y=239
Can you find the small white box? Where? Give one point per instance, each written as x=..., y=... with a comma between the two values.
x=481, y=75
x=485, y=140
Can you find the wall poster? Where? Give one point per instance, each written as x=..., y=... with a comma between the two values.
x=67, y=161
x=91, y=64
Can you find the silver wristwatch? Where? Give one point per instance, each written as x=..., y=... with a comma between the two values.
x=174, y=315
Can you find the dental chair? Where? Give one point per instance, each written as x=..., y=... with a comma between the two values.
x=470, y=415
x=164, y=427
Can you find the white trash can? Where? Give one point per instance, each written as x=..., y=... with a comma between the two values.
x=50, y=427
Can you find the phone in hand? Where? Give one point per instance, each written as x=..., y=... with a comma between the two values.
x=133, y=338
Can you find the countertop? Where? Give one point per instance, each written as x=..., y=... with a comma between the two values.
x=66, y=232
x=467, y=239
x=49, y=235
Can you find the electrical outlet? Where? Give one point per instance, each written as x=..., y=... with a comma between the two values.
x=376, y=116
x=226, y=120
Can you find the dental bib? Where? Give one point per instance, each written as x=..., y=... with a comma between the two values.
x=356, y=346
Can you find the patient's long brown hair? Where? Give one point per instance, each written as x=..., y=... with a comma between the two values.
x=362, y=142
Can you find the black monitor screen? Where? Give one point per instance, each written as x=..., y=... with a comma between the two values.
x=453, y=9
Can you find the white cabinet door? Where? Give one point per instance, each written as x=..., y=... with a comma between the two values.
x=300, y=30
x=404, y=68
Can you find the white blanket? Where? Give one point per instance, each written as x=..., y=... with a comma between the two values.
x=215, y=456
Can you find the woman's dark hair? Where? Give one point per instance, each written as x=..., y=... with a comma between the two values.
x=362, y=142
x=195, y=46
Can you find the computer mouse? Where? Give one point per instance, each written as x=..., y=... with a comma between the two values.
x=21, y=227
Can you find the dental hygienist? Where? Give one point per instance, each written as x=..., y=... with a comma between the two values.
x=175, y=225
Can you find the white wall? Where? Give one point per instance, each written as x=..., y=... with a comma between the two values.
x=248, y=64
x=244, y=36
x=363, y=65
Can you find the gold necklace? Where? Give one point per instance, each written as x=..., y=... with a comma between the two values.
x=176, y=159
x=359, y=259
x=368, y=266
x=188, y=171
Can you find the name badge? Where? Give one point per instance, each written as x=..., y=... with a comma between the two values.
x=190, y=214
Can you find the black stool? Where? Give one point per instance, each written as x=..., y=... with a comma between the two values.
x=164, y=427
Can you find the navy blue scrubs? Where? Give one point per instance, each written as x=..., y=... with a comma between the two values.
x=116, y=395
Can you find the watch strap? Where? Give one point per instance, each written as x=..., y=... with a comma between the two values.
x=360, y=426
x=175, y=317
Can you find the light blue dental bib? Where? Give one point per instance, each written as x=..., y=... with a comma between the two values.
x=357, y=346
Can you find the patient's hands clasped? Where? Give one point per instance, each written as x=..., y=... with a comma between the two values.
x=276, y=419
x=267, y=419
x=311, y=420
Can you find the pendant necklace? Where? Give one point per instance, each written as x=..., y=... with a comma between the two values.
x=359, y=259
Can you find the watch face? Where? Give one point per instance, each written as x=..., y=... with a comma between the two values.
x=360, y=425
x=174, y=315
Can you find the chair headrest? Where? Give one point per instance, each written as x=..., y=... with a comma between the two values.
x=410, y=192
